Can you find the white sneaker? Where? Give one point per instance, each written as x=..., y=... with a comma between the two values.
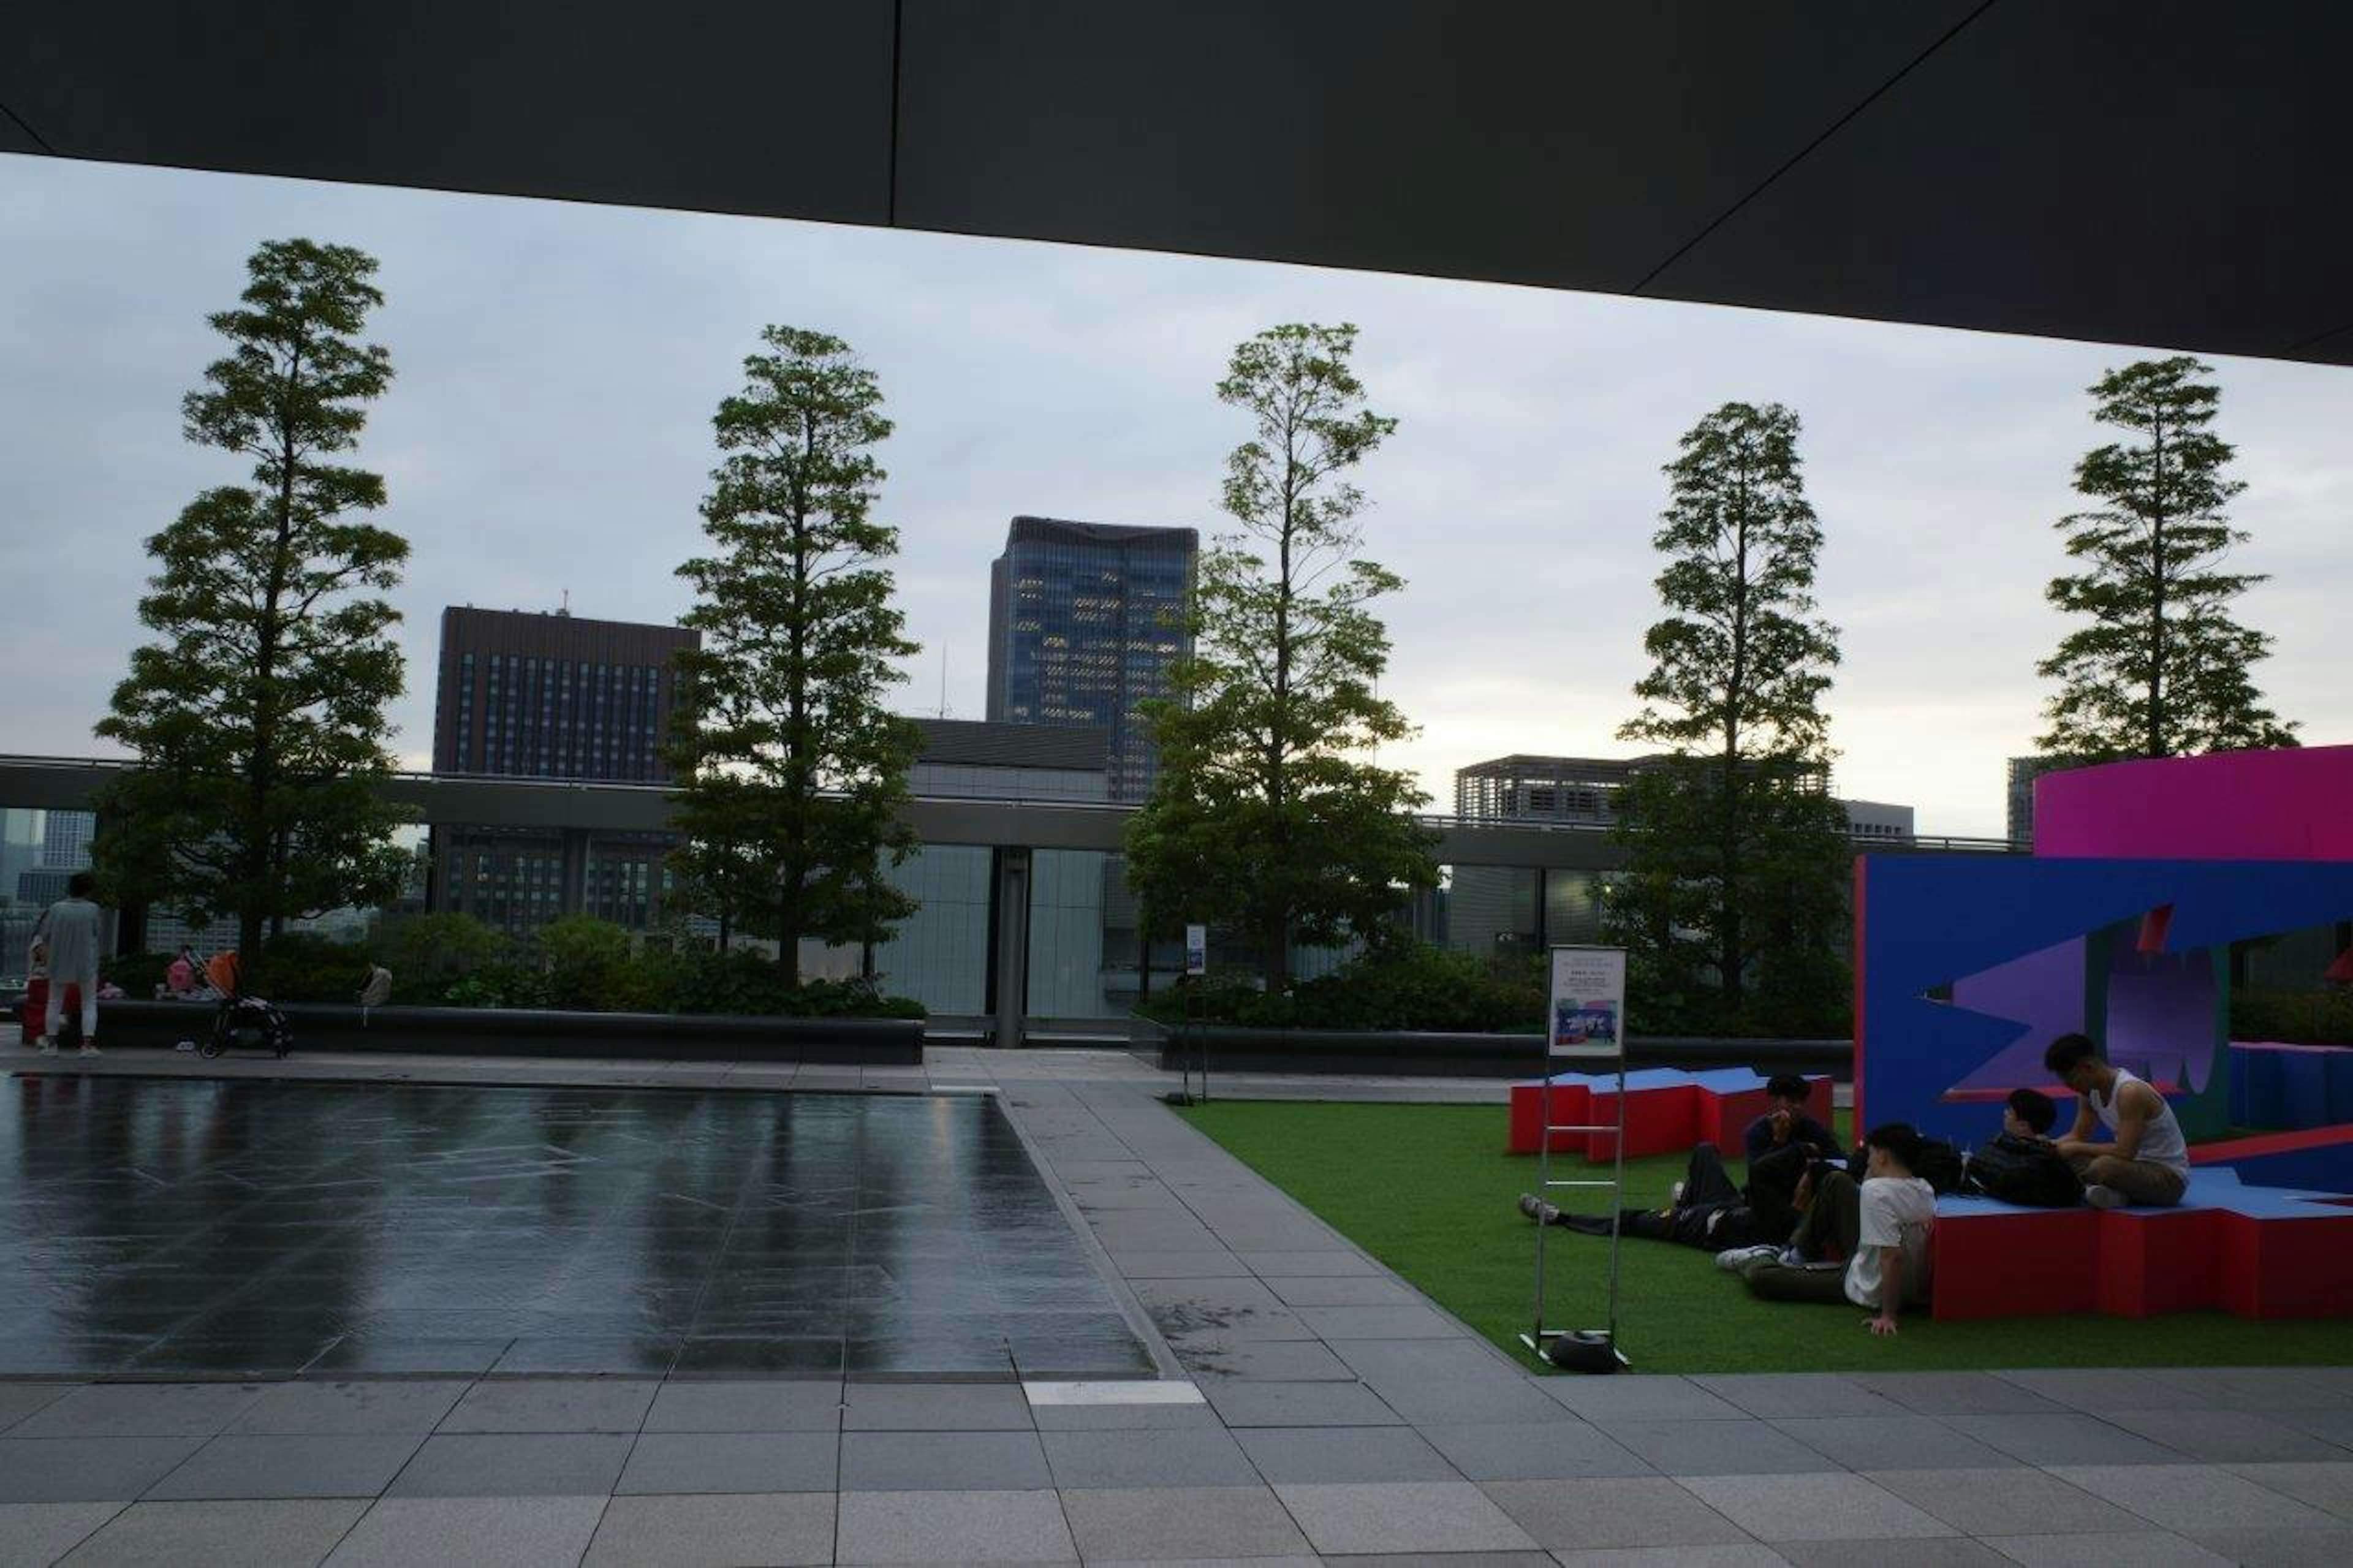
x=46, y=1048
x=1674, y=1195
x=2101, y=1197
x=1732, y=1258
x=87, y=1051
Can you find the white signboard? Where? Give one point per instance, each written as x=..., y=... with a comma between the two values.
x=1197, y=950
x=1588, y=1003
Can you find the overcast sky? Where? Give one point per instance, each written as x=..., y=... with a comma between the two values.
x=556, y=366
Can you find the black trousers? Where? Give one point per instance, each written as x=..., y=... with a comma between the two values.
x=1713, y=1214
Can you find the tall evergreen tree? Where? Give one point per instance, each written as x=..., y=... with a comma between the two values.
x=2162, y=670
x=257, y=715
x=790, y=772
x=1270, y=814
x=1733, y=895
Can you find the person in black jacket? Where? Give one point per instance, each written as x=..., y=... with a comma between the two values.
x=1785, y=1122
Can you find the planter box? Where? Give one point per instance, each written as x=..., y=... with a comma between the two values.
x=517, y=1032
x=1403, y=1053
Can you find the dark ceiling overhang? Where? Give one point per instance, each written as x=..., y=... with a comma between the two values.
x=2168, y=172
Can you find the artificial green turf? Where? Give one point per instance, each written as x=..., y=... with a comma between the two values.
x=1428, y=1191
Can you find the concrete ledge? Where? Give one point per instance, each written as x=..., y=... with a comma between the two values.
x=515, y=1032
x=1406, y=1053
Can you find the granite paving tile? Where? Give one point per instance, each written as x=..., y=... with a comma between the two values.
x=314, y=1465
x=2064, y=1440
x=786, y=1529
x=1400, y=1517
x=18, y=1400
x=2098, y=1389
x=552, y=1404
x=1901, y=1442
x=1285, y=1361
x=1126, y=1419
x=1919, y=1551
x=1103, y=1461
x=2141, y=1549
x=87, y=1470
x=731, y=1462
x=1708, y=1447
x=2192, y=1497
x=2327, y=1486
x=1813, y=1508
x=982, y=1526
x=374, y=1406
x=1344, y=1290
x=1310, y=1264
x=435, y=1532
x=1750, y=1555
x=2335, y=1426
x=219, y=1534
x=767, y=1405
x=1640, y=1399
x=942, y=1461
x=1956, y=1393
x=1298, y=1404
x=935, y=1407
x=1531, y=1451
x=35, y=1532
x=1770, y=1395
x=1172, y=1523
x=1316, y=1455
x=2013, y=1501
x=2327, y=1548
x=514, y=1465
x=2225, y=1436
x=141, y=1410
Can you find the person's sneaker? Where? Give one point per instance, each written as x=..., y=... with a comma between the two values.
x=46, y=1048
x=87, y=1051
x=2101, y=1197
x=1732, y=1258
x=1674, y=1195
x=1537, y=1209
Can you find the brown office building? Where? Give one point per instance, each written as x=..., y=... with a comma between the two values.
x=533, y=695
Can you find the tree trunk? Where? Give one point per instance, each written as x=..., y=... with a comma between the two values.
x=2156, y=744
x=788, y=942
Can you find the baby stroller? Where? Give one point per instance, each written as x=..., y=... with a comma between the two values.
x=242, y=1020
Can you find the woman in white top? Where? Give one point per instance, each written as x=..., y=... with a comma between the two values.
x=2148, y=1161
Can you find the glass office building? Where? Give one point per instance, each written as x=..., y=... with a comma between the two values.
x=1084, y=621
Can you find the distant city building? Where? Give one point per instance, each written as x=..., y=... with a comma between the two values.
x=1500, y=909
x=532, y=695
x=2019, y=818
x=1084, y=621
x=980, y=760
x=64, y=840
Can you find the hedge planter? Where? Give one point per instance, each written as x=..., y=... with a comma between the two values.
x=1405, y=1054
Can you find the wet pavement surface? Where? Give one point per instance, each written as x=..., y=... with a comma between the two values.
x=207, y=1228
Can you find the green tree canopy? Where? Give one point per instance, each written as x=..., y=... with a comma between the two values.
x=1733, y=899
x=257, y=715
x=1270, y=814
x=789, y=770
x=2161, y=669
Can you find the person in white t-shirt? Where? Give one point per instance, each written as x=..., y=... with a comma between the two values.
x=2149, y=1163
x=1880, y=1226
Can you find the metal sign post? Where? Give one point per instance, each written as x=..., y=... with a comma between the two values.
x=1197, y=971
x=1585, y=1022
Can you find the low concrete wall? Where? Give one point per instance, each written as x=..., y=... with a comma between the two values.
x=515, y=1032
x=1403, y=1053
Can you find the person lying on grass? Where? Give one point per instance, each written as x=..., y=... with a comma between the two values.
x=1881, y=1226
x=1708, y=1211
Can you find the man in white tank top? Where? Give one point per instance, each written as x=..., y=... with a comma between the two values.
x=2148, y=1161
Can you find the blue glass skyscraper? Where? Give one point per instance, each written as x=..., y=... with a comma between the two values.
x=1084, y=621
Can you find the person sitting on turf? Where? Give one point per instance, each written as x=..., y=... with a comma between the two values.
x=1706, y=1211
x=1785, y=1122
x=1881, y=1226
x=2149, y=1163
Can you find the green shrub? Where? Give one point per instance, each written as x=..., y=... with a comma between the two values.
x=302, y=966
x=429, y=953
x=1409, y=985
x=137, y=973
x=2294, y=1018
x=589, y=966
x=748, y=984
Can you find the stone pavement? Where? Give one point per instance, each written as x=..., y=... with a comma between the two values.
x=1325, y=1412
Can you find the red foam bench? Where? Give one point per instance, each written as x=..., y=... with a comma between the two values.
x=1668, y=1111
x=2256, y=1252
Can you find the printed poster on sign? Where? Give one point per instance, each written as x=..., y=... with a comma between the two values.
x=1589, y=1003
x=1197, y=950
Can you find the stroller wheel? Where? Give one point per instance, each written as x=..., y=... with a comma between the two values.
x=209, y=1049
